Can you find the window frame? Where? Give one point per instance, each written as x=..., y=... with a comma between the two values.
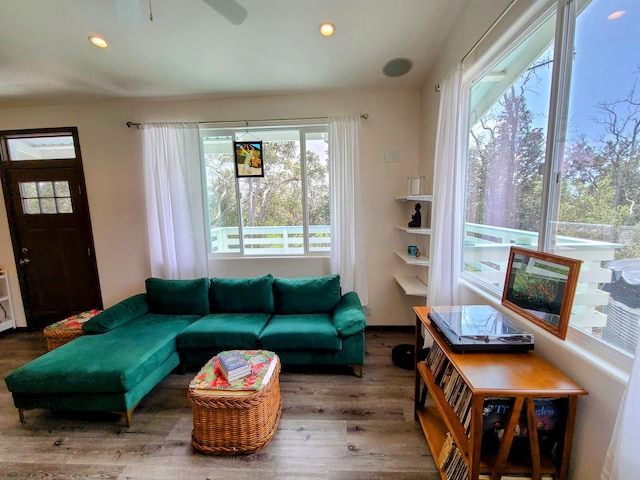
x=566, y=14
x=240, y=134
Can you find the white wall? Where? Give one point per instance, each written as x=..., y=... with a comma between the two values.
x=604, y=380
x=112, y=164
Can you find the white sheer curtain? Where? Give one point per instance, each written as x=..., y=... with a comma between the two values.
x=347, y=236
x=174, y=200
x=447, y=220
x=623, y=457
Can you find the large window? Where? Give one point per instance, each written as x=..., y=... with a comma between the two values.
x=554, y=162
x=286, y=212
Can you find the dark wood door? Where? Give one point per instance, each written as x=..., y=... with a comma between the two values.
x=52, y=240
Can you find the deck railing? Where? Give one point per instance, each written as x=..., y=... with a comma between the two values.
x=486, y=253
x=279, y=240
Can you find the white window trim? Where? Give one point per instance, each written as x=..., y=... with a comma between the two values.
x=520, y=21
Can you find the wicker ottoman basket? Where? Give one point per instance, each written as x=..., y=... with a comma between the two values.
x=236, y=422
x=59, y=333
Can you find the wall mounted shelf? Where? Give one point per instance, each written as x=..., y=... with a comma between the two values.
x=411, y=284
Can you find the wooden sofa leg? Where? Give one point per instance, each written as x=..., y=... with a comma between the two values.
x=21, y=415
x=128, y=416
x=358, y=370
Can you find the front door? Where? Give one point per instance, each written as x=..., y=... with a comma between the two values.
x=44, y=189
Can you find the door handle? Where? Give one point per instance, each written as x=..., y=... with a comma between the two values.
x=24, y=260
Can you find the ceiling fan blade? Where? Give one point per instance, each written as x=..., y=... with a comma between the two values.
x=229, y=9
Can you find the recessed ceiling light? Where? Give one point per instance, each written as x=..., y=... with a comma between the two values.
x=327, y=29
x=98, y=41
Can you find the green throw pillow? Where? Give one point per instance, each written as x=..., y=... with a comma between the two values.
x=118, y=314
x=178, y=297
x=306, y=295
x=241, y=295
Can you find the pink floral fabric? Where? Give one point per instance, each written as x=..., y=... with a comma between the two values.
x=211, y=378
x=74, y=322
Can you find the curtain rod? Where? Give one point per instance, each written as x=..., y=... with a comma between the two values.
x=488, y=30
x=246, y=122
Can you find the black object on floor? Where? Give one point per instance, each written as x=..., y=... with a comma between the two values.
x=403, y=355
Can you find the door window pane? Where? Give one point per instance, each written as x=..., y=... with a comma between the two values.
x=48, y=205
x=62, y=189
x=45, y=189
x=64, y=205
x=45, y=197
x=597, y=218
x=31, y=206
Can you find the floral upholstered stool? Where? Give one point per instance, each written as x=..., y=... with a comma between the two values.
x=64, y=331
x=238, y=417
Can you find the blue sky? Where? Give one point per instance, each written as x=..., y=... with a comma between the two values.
x=606, y=62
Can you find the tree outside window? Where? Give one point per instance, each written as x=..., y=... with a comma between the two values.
x=286, y=212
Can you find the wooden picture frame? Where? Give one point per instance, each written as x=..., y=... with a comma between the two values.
x=248, y=159
x=541, y=286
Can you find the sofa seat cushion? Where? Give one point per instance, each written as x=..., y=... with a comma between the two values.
x=224, y=330
x=301, y=332
x=112, y=362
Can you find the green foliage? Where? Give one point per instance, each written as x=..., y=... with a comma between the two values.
x=272, y=200
x=600, y=183
x=506, y=151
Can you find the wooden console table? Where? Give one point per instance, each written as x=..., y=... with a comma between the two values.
x=521, y=378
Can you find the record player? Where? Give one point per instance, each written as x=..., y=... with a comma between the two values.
x=479, y=328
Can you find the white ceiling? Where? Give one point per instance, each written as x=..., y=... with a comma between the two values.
x=191, y=50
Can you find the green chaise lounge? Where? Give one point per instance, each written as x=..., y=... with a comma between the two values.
x=129, y=350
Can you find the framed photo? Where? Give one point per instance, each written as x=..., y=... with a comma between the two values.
x=541, y=286
x=248, y=156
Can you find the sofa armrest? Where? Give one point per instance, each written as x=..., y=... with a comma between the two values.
x=348, y=315
x=119, y=314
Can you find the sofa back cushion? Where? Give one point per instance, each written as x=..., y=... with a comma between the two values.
x=241, y=295
x=118, y=314
x=306, y=295
x=178, y=297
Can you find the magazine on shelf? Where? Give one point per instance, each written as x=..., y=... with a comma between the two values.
x=549, y=414
x=469, y=328
x=495, y=413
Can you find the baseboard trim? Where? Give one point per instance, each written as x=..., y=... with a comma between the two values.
x=390, y=328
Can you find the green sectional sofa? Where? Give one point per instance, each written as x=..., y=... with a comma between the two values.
x=133, y=345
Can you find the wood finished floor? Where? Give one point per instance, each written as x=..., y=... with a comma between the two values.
x=334, y=426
